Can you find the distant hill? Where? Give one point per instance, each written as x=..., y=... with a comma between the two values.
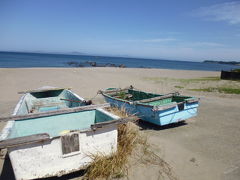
x=223, y=62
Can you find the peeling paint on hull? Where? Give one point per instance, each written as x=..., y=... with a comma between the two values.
x=46, y=159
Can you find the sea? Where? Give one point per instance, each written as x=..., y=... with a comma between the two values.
x=28, y=60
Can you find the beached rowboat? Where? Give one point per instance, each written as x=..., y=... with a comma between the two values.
x=48, y=98
x=155, y=108
x=44, y=99
x=57, y=142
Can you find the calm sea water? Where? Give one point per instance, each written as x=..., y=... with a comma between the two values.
x=19, y=60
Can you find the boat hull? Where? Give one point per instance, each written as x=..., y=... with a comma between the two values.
x=46, y=159
x=41, y=160
x=164, y=116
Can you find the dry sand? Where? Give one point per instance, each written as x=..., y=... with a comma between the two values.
x=206, y=147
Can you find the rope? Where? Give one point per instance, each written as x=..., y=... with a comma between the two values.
x=93, y=97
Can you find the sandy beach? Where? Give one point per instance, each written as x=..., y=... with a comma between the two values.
x=206, y=147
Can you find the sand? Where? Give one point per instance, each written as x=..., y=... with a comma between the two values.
x=206, y=147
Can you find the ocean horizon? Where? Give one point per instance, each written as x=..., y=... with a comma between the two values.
x=30, y=60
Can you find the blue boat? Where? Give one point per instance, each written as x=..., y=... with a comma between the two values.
x=158, y=109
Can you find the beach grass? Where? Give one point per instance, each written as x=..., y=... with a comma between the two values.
x=115, y=165
x=179, y=87
x=226, y=90
x=202, y=84
x=182, y=80
x=199, y=79
x=130, y=141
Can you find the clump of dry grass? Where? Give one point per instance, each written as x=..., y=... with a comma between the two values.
x=148, y=157
x=122, y=113
x=116, y=165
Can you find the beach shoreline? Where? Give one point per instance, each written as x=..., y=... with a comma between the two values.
x=205, y=147
x=27, y=59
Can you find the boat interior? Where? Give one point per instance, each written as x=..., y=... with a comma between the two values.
x=135, y=95
x=56, y=125
x=49, y=100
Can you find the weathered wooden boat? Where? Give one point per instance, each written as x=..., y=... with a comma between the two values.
x=47, y=98
x=44, y=99
x=57, y=142
x=155, y=108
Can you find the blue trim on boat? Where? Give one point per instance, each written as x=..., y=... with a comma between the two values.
x=150, y=113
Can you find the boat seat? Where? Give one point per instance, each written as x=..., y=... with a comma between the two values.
x=42, y=107
x=49, y=104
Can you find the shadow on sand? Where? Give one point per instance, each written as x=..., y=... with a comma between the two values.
x=7, y=170
x=8, y=174
x=77, y=174
x=144, y=125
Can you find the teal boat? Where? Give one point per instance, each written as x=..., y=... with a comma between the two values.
x=158, y=109
x=55, y=143
x=53, y=132
x=47, y=99
x=42, y=100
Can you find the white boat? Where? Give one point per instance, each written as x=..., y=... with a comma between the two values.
x=57, y=142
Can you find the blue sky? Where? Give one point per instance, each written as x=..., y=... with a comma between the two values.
x=172, y=29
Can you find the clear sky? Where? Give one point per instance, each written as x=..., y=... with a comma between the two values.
x=171, y=29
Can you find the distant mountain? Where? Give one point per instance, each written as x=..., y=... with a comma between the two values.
x=237, y=63
x=77, y=53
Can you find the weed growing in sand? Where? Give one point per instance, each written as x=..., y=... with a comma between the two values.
x=122, y=113
x=114, y=166
x=196, y=80
x=183, y=81
x=204, y=89
x=129, y=142
x=226, y=90
x=179, y=87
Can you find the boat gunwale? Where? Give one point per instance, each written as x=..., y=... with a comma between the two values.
x=116, y=119
x=93, y=128
x=7, y=128
x=43, y=89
